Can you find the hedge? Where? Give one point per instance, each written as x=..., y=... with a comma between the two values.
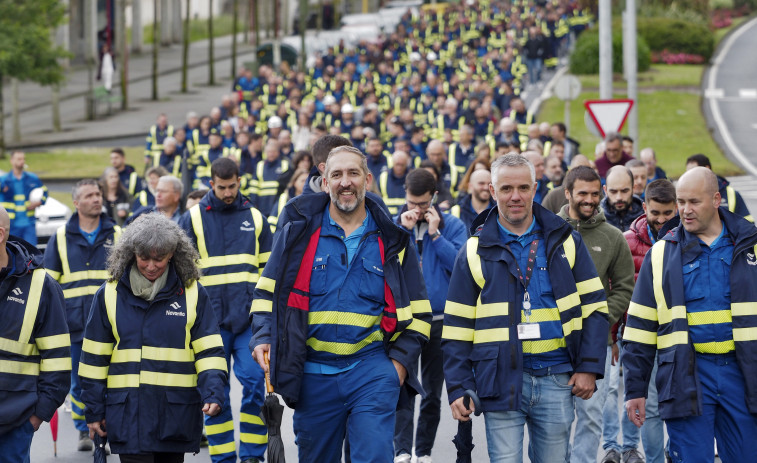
x=677, y=36
x=585, y=58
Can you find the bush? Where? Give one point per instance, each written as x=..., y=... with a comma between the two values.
x=674, y=11
x=585, y=58
x=677, y=36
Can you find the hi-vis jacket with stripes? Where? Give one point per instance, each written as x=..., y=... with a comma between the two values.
x=35, y=351
x=658, y=321
x=234, y=242
x=79, y=267
x=280, y=315
x=479, y=339
x=18, y=205
x=147, y=368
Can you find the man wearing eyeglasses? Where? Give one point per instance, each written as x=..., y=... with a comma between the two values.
x=438, y=237
x=613, y=155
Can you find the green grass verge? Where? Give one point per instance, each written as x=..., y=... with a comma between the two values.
x=659, y=75
x=198, y=28
x=75, y=163
x=670, y=122
x=63, y=197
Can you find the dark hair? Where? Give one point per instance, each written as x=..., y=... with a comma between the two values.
x=627, y=138
x=81, y=183
x=501, y=144
x=661, y=191
x=427, y=164
x=224, y=169
x=118, y=151
x=419, y=182
x=255, y=136
x=560, y=126
x=197, y=194
x=699, y=159
x=558, y=143
x=323, y=146
x=583, y=173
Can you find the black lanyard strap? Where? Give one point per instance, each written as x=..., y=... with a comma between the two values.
x=525, y=279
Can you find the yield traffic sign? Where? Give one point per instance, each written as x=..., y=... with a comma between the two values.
x=608, y=115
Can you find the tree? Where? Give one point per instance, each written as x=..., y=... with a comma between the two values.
x=27, y=51
x=155, y=41
x=235, y=16
x=185, y=51
x=211, y=64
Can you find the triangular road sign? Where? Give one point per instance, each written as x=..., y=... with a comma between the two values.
x=608, y=115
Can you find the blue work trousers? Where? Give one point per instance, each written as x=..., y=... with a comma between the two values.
x=547, y=408
x=16, y=444
x=360, y=402
x=77, y=406
x=432, y=380
x=725, y=417
x=253, y=436
x=26, y=232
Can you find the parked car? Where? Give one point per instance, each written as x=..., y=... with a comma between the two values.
x=50, y=216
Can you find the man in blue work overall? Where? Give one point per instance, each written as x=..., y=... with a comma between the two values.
x=695, y=306
x=342, y=310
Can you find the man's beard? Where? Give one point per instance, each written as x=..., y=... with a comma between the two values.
x=346, y=208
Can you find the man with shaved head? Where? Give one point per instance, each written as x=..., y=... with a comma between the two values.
x=477, y=200
x=695, y=307
x=35, y=357
x=543, y=185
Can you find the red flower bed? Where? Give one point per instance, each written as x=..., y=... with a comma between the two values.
x=676, y=58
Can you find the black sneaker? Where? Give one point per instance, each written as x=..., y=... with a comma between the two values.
x=204, y=439
x=85, y=443
x=251, y=460
x=612, y=456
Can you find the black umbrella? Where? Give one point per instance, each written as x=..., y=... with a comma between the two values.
x=272, y=412
x=101, y=454
x=464, y=438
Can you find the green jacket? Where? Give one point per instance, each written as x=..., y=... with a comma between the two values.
x=612, y=258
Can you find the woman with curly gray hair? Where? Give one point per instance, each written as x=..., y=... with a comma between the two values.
x=152, y=359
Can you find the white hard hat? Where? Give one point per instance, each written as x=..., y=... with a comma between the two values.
x=347, y=108
x=274, y=122
x=329, y=99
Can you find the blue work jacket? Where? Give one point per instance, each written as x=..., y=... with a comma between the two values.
x=147, y=367
x=79, y=267
x=35, y=358
x=658, y=323
x=276, y=322
x=479, y=339
x=17, y=205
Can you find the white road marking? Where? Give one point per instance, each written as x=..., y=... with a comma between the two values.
x=719, y=122
x=748, y=93
x=714, y=93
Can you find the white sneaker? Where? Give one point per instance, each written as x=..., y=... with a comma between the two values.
x=424, y=459
x=402, y=458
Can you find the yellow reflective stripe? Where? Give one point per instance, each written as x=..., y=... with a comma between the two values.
x=167, y=354
x=745, y=334
x=461, y=310
x=219, y=428
x=568, y=302
x=491, y=335
x=743, y=309
x=589, y=286
x=92, y=372
x=672, y=339
x=229, y=278
x=709, y=317
x=78, y=292
x=196, y=215
x=658, y=251
x=420, y=326
x=266, y=284
x=249, y=438
x=116, y=233
x=343, y=348
x=641, y=336
x=263, y=257
x=261, y=305
x=167, y=379
x=543, y=345
x=53, y=342
x=474, y=261
x=419, y=306
x=455, y=333
x=719, y=347
x=126, y=355
x=54, y=274
x=588, y=309
x=19, y=197
x=333, y=317
x=111, y=296
x=117, y=381
x=642, y=311
x=550, y=314
x=731, y=195
x=19, y=368
x=69, y=277
x=252, y=419
x=223, y=448
x=232, y=259
x=60, y=237
x=207, y=342
x=210, y=363
x=574, y=324
x=668, y=315
x=32, y=305
x=14, y=347
x=97, y=348
x=76, y=416
x=77, y=403
x=191, y=300
x=569, y=246
x=405, y=313
x=55, y=364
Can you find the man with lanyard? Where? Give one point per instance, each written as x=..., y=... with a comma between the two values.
x=76, y=257
x=694, y=308
x=356, y=315
x=525, y=275
x=234, y=242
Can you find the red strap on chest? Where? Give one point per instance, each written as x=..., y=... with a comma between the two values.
x=299, y=297
x=389, y=320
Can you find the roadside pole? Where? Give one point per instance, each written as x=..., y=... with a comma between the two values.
x=605, y=49
x=631, y=71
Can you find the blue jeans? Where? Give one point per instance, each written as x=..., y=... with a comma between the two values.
x=589, y=420
x=613, y=423
x=547, y=408
x=652, y=432
x=359, y=402
x=253, y=435
x=432, y=380
x=77, y=406
x=725, y=417
x=16, y=444
x=534, y=65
